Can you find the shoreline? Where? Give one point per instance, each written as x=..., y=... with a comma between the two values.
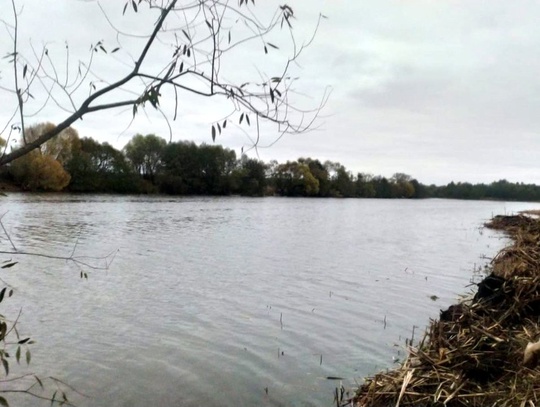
x=473, y=355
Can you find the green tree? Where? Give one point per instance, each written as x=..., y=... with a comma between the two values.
x=364, y=186
x=320, y=173
x=341, y=180
x=192, y=169
x=99, y=167
x=249, y=177
x=383, y=188
x=402, y=186
x=145, y=154
x=295, y=179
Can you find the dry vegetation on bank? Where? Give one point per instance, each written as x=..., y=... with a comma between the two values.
x=474, y=354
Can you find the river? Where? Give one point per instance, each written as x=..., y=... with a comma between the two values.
x=234, y=301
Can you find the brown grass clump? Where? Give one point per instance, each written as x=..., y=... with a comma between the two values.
x=473, y=355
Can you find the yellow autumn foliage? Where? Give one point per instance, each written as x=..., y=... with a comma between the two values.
x=38, y=172
x=42, y=169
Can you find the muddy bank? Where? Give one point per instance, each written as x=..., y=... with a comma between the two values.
x=473, y=355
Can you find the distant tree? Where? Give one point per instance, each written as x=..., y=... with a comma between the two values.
x=295, y=179
x=364, y=186
x=42, y=169
x=344, y=183
x=311, y=183
x=383, y=188
x=59, y=148
x=249, y=177
x=145, y=154
x=192, y=169
x=402, y=186
x=180, y=168
x=216, y=165
x=99, y=167
x=39, y=172
x=341, y=180
x=320, y=173
x=420, y=190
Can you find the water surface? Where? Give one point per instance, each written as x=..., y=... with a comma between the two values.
x=235, y=301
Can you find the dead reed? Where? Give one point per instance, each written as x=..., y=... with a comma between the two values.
x=473, y=354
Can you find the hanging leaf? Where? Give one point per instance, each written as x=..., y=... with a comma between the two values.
x=188, y=52
x=2, y=293
x=39, y=381
x=229, y=37
x=186, y=34
x=219, y=128
x=6, y=366
x=125, y=7
x=171, y=69
x=272, y=45
x=28, y=356
x=24, y=71
x=8, y=265
x=265, y=50
x=271, y=95
x=18, y=354
x=224, y=123
x=213, y=133
x=181, y=67
x=134, y=5
x=208, y=24
x=241, y=118
x=115, y=50
x=247, y=120
x=23, y=341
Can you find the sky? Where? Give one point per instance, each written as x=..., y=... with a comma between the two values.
x=443, y=90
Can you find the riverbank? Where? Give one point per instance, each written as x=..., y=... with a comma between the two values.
x=473, y=355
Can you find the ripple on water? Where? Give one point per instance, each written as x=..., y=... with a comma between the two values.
x=233, y=301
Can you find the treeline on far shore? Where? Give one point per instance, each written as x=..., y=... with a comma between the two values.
x=149, y=164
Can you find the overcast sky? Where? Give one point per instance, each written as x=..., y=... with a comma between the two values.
x=439, y=89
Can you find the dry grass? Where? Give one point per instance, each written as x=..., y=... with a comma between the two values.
x=473, y=355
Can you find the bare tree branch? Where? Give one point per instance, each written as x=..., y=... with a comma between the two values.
x=201, y=33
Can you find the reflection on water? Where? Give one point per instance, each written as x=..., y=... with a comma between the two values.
x=232, y=301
